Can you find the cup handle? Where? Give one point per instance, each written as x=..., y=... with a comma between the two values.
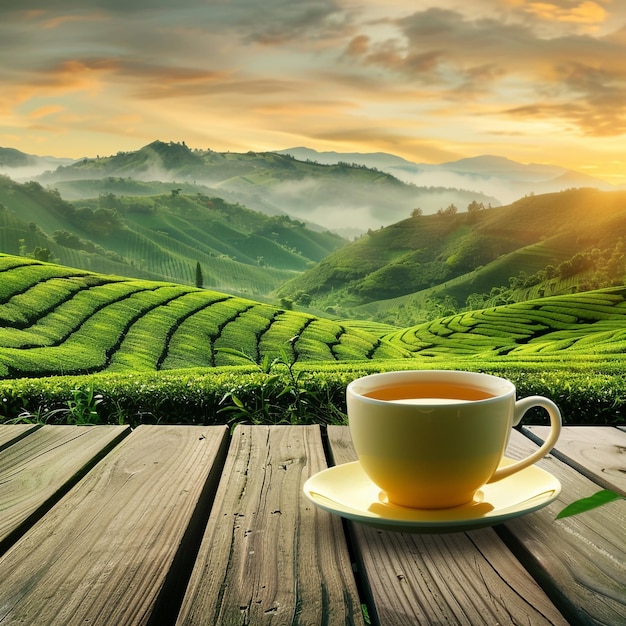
x=521, y=406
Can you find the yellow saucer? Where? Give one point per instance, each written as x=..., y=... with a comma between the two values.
x=347, y=491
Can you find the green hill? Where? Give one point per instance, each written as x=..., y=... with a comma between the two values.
x=539, y=245
x=341, y=197
x=160, y=237
x=569, y=328
x=71, y=340
x=59, y=321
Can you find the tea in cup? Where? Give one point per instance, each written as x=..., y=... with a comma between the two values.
x=431, y=439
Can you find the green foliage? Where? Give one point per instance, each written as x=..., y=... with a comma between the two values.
x=82, y=348
x=160, y=237
x=280, y=390
x=279, y=399
x=541, y=245
x=82, y=408
x=592, y=502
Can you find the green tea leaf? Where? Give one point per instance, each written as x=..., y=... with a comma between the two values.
x=586, y=504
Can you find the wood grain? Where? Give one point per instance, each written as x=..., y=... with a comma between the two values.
x=10, y=433
x=36, y=470
x=268, y=555
x=580, y=560
x=458, y=578
x=599, y=452
x=103, y=553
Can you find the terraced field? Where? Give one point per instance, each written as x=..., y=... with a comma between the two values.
x=567, y=328
x=58, y=321
x=93, y=348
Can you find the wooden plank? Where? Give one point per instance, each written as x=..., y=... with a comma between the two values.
x=580, y=560
x=598, y=452
x=10, y=433
x=458, y=578
x=110, y=551
x=36, y=470
x=268, y=555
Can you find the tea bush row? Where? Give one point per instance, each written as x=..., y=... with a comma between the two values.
x=203, y=396
x=588, y=322
x=116, y=323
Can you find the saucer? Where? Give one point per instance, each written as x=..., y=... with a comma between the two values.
x=347, y=491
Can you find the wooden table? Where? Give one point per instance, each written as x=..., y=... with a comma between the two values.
x=195, y=525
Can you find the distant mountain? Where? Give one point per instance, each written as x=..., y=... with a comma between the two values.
x=495, y=176
x=21, y=166
x=348, y=193
x=565, y=240
x=379, y=160
x=344, y=198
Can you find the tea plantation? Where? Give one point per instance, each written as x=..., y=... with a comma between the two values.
x=79, y=347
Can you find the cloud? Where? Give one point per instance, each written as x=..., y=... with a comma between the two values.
x=461, y=57
x=588, y=14
x=433, y=80
x=596, y=103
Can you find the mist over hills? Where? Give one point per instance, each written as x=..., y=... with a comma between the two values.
x=351, y=194
x=161, y=236
x=496, y=176
x=21, y=166
x=345, y=198
x=540, y=245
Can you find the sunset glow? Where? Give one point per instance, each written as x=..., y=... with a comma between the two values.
x=430, y=81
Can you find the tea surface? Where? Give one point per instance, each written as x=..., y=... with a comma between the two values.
x=428, y=392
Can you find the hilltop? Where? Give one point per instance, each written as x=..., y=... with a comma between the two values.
x=539, y=245
x=345, y=198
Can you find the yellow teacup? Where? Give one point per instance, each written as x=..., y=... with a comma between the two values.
x=431, y=438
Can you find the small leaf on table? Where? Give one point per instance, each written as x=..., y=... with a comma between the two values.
x=586, y=504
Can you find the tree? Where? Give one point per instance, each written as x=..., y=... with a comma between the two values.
x=286, y=303
x=43, y=254
x=199, y=277
x=449, y=210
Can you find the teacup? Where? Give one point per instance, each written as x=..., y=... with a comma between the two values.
x=431, y=439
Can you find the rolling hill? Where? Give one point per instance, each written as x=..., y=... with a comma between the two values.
x=344, y=198
x=161, y=237
x=563, y=242
x=71, y=340
x=56, y=320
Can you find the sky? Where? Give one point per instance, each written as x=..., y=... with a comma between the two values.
x=431, y=81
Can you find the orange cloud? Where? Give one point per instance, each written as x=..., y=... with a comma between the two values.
x=587, y=12
x=74, y=74
x=45, y=111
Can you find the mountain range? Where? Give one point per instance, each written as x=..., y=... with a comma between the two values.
x=496, y=176
x=267, y=225
x=349, y=202
x=346, y=198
